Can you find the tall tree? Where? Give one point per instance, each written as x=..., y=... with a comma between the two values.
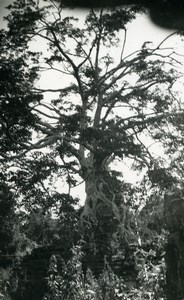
x=104, y=104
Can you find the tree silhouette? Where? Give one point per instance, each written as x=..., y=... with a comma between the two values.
x=105, y=103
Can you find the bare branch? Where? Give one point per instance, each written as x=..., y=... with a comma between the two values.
x=124, y=43
x=163, y=41
x=44, y=114
x=148, y=120
x=66, y=89
x=50, y=107
x=87, y=56
x=144, y=146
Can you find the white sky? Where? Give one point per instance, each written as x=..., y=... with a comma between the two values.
x=139, y=31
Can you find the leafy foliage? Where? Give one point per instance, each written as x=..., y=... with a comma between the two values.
x=7, y=217
x=73, y=285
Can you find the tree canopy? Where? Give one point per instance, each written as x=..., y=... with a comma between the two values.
x=106, y=101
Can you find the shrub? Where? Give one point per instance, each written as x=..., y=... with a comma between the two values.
x=73, y=285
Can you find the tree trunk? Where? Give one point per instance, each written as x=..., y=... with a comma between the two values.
x=101, y=196
x=174, y=216
x=100, y=217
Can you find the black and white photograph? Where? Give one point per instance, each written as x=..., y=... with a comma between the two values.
x=91, y=143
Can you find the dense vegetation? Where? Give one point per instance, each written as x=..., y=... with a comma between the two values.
x=94, y=111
